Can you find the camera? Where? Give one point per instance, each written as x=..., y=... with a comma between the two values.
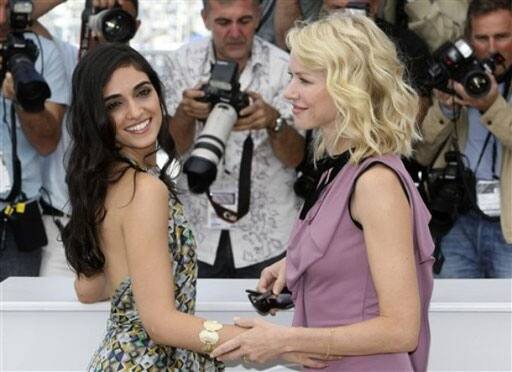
x=224, y=95
x=223, y=86
x=113, y=25
x=18, y=55
x=456, y=61
x=452, y=191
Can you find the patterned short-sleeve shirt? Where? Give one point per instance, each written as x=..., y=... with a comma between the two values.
x=261, y=234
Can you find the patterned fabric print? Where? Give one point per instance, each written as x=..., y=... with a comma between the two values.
x=127, y=346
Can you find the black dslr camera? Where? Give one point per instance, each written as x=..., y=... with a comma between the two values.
x=114, y=25
x=18, y=55
x=456, y=61
x=452, y=192
x=223, y=86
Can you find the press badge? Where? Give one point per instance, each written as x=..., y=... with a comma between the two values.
x=229, y=200
x=5, y=179
x=488, y=197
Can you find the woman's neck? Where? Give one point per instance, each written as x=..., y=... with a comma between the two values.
x=144, y=159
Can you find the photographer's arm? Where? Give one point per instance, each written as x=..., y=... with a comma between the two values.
x=42, y=129
x=287, y=145
x=496, y=111
x=183, y=124
x=498, y=120
x=285, y=15
x=435, y=129
x=41, y=7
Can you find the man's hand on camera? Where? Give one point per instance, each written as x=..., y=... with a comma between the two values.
x=193, y=108
x=8, y=87
x=258, y=115
x=482, y=104
x=448, y=101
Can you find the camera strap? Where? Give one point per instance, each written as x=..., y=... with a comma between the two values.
x=494, y=154
x=244, y=187
x=16, y=164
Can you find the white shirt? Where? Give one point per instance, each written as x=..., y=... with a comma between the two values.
x=50, y=64
x=55, y=190
x=262, y=233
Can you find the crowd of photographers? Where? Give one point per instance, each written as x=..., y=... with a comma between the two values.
x=242, y=158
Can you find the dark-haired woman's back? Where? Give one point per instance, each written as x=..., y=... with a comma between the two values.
x=126, y=343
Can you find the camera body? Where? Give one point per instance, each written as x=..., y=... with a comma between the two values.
x=456, y=61
x=452, y=190
x=223, y=86
x=18, y=56
x=226, y=99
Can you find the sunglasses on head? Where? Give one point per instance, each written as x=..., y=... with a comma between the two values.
x=264, y=302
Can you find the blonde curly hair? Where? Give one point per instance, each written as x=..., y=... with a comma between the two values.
x=376, y=108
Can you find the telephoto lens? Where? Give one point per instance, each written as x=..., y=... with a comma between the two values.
x=114, y=25
x=201, y=166
x=30, y=87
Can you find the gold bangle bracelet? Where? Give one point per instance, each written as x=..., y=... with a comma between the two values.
x=329, y=339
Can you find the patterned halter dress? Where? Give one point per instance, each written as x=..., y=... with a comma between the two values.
x=127, y=346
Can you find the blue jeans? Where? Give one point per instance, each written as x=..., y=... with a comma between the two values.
x=475, y=248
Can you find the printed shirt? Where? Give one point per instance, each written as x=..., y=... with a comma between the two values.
x=262, y=233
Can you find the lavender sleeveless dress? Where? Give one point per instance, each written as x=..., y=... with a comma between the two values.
x=329, y=275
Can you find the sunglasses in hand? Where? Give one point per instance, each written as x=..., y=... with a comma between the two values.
x=264, y=302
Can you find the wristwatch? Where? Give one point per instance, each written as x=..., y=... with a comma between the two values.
x=209, y=336
x=278, y=125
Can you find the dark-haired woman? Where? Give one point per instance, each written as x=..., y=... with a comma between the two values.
x=127, y=238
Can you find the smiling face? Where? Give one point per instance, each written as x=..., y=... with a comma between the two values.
x=133, y=106
x=313, y=107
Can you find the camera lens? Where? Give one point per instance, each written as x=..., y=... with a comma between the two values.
x=477, y=84
x=30, y=87
x=118, y=26
x=114, y=25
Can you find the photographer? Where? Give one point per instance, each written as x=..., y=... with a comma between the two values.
x=37, y=133
x=243, y=248
x=479, y=244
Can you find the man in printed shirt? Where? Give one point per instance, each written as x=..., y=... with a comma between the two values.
x=244, y=248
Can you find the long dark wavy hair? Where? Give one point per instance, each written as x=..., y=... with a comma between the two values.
x=95, y=161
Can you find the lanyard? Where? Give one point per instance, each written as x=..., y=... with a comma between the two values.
x=494, y=155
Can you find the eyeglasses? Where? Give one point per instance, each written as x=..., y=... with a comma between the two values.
x=264, y=302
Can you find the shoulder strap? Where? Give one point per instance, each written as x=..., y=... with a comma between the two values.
x=16, y=164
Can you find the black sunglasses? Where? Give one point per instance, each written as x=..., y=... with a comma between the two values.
x=264, y=302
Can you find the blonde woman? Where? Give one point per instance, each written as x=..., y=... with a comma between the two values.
x=359, y=260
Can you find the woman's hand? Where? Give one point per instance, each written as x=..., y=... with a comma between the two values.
x=273, y=277
x=309, y=360
x=262, y=342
